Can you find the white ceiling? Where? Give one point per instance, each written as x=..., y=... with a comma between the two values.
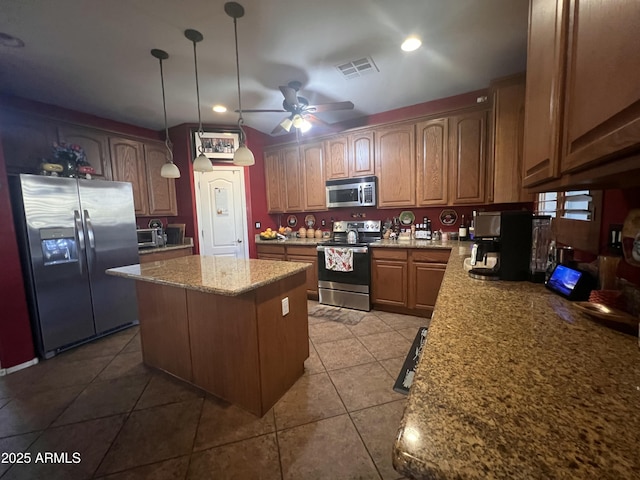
x=93, y=55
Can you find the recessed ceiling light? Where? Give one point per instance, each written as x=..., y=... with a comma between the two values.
x=7, y=40
x=410, y=44
x=219, y=108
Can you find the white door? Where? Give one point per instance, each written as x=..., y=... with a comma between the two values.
x=222, y=213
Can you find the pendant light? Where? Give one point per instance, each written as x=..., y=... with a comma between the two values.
x=242, y=156
x=169, y=169
x=201, y=163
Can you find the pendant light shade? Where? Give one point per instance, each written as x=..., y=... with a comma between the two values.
x=201, y=163
x=242, y=156
x=169, y=169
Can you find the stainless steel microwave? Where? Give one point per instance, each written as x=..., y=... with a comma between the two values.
x=150, y=237
x=352, y=192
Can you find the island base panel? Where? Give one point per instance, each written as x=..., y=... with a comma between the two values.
x=164, y=329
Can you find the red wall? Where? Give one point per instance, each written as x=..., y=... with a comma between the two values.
x=16, y=343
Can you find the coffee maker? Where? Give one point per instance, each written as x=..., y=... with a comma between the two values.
x=507, y=237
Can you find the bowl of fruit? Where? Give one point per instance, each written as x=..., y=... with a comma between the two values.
x=268, y=234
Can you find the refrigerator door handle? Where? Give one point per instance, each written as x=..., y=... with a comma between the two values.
x=80, y=233
x=90, y=234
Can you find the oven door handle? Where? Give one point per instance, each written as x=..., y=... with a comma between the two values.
x=320, y=248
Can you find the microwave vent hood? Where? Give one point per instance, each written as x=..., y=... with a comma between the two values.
x=352, y=192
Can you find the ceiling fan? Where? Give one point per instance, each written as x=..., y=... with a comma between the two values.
x=301, y=114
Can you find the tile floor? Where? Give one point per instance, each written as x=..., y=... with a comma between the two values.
x=129, y=422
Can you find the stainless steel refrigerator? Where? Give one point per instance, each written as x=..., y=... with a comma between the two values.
x=70, y=231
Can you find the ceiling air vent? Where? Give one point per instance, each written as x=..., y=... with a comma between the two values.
x=357, y=68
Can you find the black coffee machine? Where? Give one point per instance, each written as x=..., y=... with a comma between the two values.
x=507, y=237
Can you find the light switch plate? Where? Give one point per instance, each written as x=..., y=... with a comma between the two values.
x=258, y=225
x=285, y=306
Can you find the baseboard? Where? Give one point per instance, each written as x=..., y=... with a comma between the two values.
x=15, y=368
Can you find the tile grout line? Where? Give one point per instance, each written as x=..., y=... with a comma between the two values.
x=195, y=437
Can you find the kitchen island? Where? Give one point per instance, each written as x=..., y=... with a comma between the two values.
x=236, y=328
x=515, y=383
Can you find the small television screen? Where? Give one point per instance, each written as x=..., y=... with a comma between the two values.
x=569, y=283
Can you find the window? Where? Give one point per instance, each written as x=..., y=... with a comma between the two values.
x=576, y=217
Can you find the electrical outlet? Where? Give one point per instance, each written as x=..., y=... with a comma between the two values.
x=285, y=306
x=258, y=225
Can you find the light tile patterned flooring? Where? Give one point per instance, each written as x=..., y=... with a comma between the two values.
x=129, y=422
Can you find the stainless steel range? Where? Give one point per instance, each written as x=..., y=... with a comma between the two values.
x=344, y=264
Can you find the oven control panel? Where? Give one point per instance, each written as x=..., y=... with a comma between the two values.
x=369, y=226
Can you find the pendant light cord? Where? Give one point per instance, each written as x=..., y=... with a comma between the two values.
x=167, y=141
x=240, y=119
x=200, y=131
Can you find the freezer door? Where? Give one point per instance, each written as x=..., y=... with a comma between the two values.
x=111, y=241
x=58, y=279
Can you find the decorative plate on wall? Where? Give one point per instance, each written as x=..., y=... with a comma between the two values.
x=448, y=217
x=155, y=223
x=406, y=217
x=310, y=221
x=292, y=221
x=631, y=238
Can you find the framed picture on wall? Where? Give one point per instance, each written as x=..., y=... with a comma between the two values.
x=218, y=146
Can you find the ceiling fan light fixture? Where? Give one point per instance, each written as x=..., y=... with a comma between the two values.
x=219, y=108
x=298, y=120
x=169, y=169
x=305, y=125
x=411, y=43
x=286, y=124
x=201, y=163
x=242, y=156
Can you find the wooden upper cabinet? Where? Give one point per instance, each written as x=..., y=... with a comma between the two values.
x=543, y=98
x=602, y=97
x=161, y=191
x=95, y=144
x=504, y=181
x=432, y=162
x=467, y=135
x=26, y=141
x=127, y=161
x=395, y=165
x=313, y=162
x=293, y=185
x=337, y=160
x=361, y=154
x=273, y=173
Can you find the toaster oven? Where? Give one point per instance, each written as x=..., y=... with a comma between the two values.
x=150, y=237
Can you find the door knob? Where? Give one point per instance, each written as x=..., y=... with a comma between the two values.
x=239, y=241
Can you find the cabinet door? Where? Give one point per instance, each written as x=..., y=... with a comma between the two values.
x=602, y=97
x=127, y=161
x=395, y=165
x=389, y=282
x=312, y=272
x=337, y=158
x=545, y=61
x=361, y=154
x=432, y=162
x=467, y=133
x=95, y=145
x=504, y=182
x=293, y=186
x=313, y=176
x=273, y=172
x=161, y=191
x=424, y=284
x=26, y=141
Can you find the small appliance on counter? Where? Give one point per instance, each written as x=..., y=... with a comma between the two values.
x=150, y=237
x=506, y=236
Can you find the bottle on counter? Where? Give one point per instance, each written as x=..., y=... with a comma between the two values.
x=429, y=234
x=462, y=230
x=472, y=225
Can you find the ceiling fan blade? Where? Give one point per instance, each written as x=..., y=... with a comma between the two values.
x=260, y=111
x=290, y=95
x=326, y=107
x=313, y=119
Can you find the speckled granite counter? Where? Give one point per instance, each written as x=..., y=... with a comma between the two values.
x=381, y=243
x=166, y=248
x=515, y=383
x=219, y=275
x=292, y=241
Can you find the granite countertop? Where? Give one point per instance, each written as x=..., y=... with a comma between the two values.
x=292, y=241
x=515, y=383
x=381, y=243
x=219, y=275
x=146, y=251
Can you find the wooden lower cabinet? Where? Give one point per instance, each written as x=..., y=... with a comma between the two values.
x=389, y=277
x=294, y=253
x=165, y=254
x=407, y=280
x=306, y=254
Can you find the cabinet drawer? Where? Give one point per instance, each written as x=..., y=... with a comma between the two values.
x=301, y=250
x=275, y=249
x=431, y=256
x=389, y=253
